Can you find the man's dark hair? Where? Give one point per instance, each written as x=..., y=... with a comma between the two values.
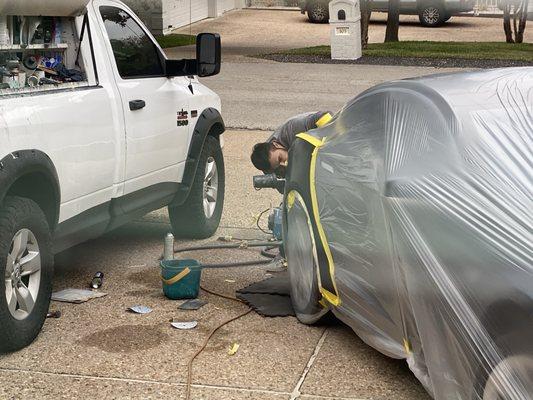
x=260, y=156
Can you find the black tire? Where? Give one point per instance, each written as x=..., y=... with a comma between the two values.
x=511, y=346
x=190, y=220
x=432, y=15
x=18, y=214
x=302, y=265
x=318, y=12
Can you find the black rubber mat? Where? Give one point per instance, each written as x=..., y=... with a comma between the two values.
x=269, y=298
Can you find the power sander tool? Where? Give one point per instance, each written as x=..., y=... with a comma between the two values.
x=275, y=218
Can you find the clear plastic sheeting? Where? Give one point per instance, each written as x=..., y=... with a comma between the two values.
x=424, y=191
x=301, y=249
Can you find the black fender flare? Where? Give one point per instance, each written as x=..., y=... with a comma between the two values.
x=210, y=122
x=18, y=164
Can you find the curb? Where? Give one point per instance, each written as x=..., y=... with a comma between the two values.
x=272, y=8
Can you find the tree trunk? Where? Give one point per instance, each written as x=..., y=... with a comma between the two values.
x=507, y=23
x=519, y=34
x=366, y=11
x=515, y=15
x=393, y=21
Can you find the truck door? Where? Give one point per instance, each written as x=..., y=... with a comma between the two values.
x=155, y=107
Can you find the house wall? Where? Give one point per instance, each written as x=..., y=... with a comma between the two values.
x=162, y=16
x=225, y=5
x=150, y=12
x=177, y=13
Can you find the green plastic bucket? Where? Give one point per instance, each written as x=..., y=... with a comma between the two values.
x=181, y=278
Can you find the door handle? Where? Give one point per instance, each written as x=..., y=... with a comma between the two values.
x=137, y=104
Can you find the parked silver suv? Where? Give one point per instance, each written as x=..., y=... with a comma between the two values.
x=431, y=13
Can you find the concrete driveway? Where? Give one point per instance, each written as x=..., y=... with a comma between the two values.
x=98, y=350
x=246, y=32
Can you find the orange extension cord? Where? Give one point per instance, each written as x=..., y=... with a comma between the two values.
x=206, y=341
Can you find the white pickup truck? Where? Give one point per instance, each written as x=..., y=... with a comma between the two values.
x=97, y=127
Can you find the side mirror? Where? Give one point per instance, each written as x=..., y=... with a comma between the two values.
x=208, y=54
x=207, y=62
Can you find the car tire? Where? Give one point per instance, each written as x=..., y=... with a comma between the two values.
x=199, y=217
x=318, y=12
x=302, y=261
x=516, y=362
x=26, y=288
x=432, y=15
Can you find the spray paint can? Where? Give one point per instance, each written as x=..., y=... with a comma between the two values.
x=97, y=280
x=168, y=250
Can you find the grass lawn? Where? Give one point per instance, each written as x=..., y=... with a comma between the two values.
x=175, y=40
x=465, y=50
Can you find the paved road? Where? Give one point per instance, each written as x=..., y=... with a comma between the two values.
x=263, y=95
x=259, y=94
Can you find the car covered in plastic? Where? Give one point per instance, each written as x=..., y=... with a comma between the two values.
x=409, y=216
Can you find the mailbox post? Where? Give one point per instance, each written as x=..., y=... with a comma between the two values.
x=345, y=29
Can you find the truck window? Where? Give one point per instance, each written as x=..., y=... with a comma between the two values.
x=135, y=53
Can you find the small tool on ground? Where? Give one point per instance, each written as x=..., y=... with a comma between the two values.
x=54, y=314
x=97, y=280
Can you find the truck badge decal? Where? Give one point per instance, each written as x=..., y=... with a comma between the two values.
x=183, y=118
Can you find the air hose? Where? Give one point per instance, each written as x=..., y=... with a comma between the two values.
x=241, y=245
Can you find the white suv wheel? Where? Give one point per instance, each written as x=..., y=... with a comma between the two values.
x=210, y=187
x=22, y=274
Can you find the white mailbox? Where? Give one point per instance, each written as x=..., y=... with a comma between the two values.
x=345, y=27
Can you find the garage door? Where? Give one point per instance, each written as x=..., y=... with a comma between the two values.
x=225, y=5
x=178, y=13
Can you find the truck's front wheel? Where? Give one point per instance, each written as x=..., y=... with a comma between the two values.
x=26, y=270
x=199, y=216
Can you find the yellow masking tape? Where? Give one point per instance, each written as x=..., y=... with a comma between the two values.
x=177, y=277
x=331, y=297
x=290, y=199
x=324, y=120
x=311, y=139
x=406, y=346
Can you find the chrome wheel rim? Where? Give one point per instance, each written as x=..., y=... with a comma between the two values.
x=210, y=187
x=431, y=15
x=22, y=274
x=319, y=13
x=511, y=378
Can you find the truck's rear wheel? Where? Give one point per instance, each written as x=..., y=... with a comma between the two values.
x=26, y=265
x=200, y=215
